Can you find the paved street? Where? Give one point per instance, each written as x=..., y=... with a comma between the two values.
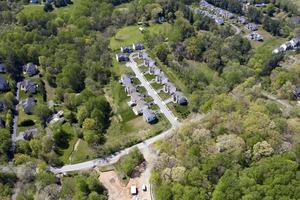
x=157, y=100
x=143, y=146
x=111, y=159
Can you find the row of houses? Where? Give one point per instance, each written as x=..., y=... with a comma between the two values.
x=125, y=51
x=137, y=101
x=289, y=45
x=162, y=79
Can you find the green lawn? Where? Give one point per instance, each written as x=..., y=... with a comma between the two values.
x=84, y=152
x=131, y=34
x=73, y=138
x=164, y=95
x=149, y=77
x=156, y=86
x=180, y=111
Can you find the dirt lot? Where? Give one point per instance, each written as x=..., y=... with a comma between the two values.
x=117, y=191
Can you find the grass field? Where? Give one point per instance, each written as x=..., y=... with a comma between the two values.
x=130, y=34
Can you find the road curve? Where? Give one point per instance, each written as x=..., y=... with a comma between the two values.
x=111, y=159
x=143, y=146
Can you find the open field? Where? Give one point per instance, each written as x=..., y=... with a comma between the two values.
x=131, y=34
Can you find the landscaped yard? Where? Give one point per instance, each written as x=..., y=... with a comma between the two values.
x=149, y=77
x=157, y=86
x=164, y=95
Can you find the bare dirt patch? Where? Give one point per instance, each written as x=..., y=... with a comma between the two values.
x=118, y=191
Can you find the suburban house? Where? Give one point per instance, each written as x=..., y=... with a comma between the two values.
x=241, y=20
x=256, y=36
x=141, y=105
x=2, y=106
x=29, y=86
x=122, y=57
x=135, y=97
x=28, y=105
x=138, y=46
x=179, y=98
x=125, y=79
x=30, y=69
x=126, y=49
x=154, y=70
x=2, y=68
x=149, y=62
x=292, y=44
x=169, y=88
x=130, y=89
x=3, y=84
x=143, y=55
x=297, y=92
x=251, y=26
x=161, y=78
x=149, y=115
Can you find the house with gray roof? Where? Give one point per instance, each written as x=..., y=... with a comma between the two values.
x=141, y=105
x=30, y=69
x=3, y=84
x=179, y=98
x=154, y=70
x=135, y=97
x=161, y=78
x=252, y=26
x=149, y=62
x=169, y=88
x=28, y=105
x=122, y=57
x=138, y=46
x=129, y=89
x=27, y=134
x=149, y=116
x=126, y=49
x=126, y=79
x=29, y=86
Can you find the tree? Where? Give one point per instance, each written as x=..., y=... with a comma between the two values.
x=43, y=112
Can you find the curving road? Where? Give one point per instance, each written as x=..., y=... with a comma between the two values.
x=111, y=159
x=143, y=146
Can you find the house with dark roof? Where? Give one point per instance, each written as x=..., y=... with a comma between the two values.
x=169, y=88
x=30, y=69
x=2, y=68
x=29, y=86
x=122, y=57
x=27, y=134
x=179, y=98
x=28, y=105
x=126, y=49
x=149, y=115
x=3, y=84
x=138, y=46
x=296, y=92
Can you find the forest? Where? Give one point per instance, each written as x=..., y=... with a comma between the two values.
x=245, y=137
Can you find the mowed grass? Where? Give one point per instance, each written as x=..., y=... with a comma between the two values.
x=83, y=153
x=131, y=34
x=73, y=138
